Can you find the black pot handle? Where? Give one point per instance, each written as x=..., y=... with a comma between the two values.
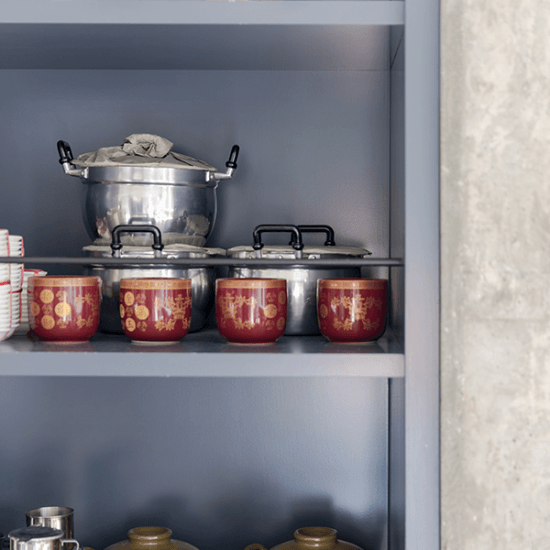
x=116, y=245
x=232, y=162
x=65, y=153
x=296, y=241
x=318, y=229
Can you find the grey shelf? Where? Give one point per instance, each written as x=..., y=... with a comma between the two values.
x=203, y=354
x=203, y=262
x=193, y=12
x=196, y=34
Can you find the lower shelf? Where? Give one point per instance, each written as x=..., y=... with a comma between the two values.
x=203, y=354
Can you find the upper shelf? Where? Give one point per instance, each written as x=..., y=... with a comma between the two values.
x=197, y=34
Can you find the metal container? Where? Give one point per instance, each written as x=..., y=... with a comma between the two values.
x=202, y=278
x=57, y=517
x=180, y=201
x=301, y=279
x=37, y=537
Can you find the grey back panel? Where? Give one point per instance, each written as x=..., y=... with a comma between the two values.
x=314, y=146
x=221, y=462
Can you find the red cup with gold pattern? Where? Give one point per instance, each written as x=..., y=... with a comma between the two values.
x=353, y=309
x=64, y=308
x=251, y=311
x=155, y=310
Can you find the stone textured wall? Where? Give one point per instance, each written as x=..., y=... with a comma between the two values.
x=495, y=223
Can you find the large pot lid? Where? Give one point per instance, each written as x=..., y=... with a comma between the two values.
x=143, y=159
x=296, y=249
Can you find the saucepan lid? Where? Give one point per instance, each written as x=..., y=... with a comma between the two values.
x=104, y=248
x=37, y=533
x=296, y=248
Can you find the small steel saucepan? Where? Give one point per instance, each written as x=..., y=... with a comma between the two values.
x=202, y=278
x=301, y=279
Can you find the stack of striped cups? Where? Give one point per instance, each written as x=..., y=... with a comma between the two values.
x=16, y=248
x=5, y=287
x=24, y=326
x=14, y=279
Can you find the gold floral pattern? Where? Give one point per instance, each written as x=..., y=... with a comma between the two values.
x=81, y=322
x=129, y=299
x=48, y=322
x=358, y=307
x=142, y=312
x=62, y=309
x=46, y=296
x=229, y=304
x=167, y=311
x=270, y=311
x=89, y=299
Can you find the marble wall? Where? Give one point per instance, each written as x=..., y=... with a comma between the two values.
x=495, y=239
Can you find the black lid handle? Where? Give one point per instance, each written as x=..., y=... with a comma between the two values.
x=296, y=241
x=318, y=229
x=116, y=245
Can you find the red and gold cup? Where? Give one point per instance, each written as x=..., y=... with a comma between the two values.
x=64, y=308
x=155, y=310
x=251, y=310
x=353, y=309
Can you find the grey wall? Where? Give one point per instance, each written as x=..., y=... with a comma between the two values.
x=222, y=462
x=495, y=270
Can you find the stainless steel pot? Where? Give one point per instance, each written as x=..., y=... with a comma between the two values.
x=202, y=278
x=181, y=202
x=301, y=279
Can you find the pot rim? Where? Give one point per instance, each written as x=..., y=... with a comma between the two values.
x=147, y=175
x=173, y=251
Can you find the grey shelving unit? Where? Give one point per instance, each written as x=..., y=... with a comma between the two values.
x=335, y=105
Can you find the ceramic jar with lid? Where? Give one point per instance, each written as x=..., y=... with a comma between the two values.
x=311, y=538
x=151, y=538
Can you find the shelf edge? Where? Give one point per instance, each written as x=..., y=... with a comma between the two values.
x=197, y=12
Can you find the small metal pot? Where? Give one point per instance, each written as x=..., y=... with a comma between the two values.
x=202, y=278
x=181, y=202
x=301, y=279
x=38, y=537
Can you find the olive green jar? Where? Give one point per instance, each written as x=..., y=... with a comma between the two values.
x=311, y=538
x=150, y=538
